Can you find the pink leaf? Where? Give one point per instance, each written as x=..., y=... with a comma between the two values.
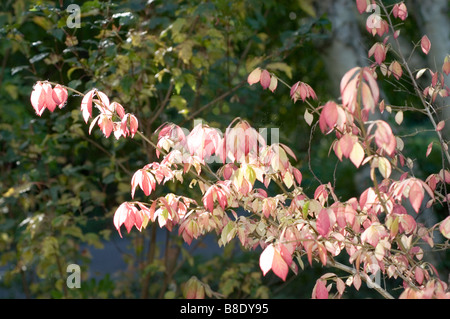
x=320, y=290
x=59, y=95
x=416, y=195
x=297, y=175
x=323, y=223
x=340, y=285
x=425, y=44
x=357, y=281
x=400, y=11
x=384, y=138
x=361, y=5
x=429, y=148
x=419, y=275
x=265, y=79
x=328, y=117
x=346, y=143
x=279, y=265
x=440, y=126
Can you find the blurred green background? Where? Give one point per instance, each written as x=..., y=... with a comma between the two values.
x=164, y=61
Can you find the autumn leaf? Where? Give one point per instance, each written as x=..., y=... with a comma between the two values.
x=400, y=11
x=273, y=83
x=276, y=259
x=357, y=154
x=446, y=65
x=361, y=5
x=445, y=227
x=396, y=69
x=373, y=234
x=328, y=117
x=320, y=290
x=429, y=148
x=265, y=79
x=399, y=117
x=59, y=95
x=384, y=166
x=416, y=195
x=440, y=126
x=86, y=105
x=378, y=51
x=425, y=44
x=323, y=223
x=384, y=138
x=308, y=117
x=254, y=76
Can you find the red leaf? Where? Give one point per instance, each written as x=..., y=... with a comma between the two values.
x=425, y=44
x=208, y=200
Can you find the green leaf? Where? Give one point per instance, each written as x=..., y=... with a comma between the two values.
x=280, y=66
x=305, y=210
x=228, y=232
x=49, y=246
x=73, y=231
x=39, y=57
x=178, y=102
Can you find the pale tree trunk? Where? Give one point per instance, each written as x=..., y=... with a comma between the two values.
x=345, y=49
